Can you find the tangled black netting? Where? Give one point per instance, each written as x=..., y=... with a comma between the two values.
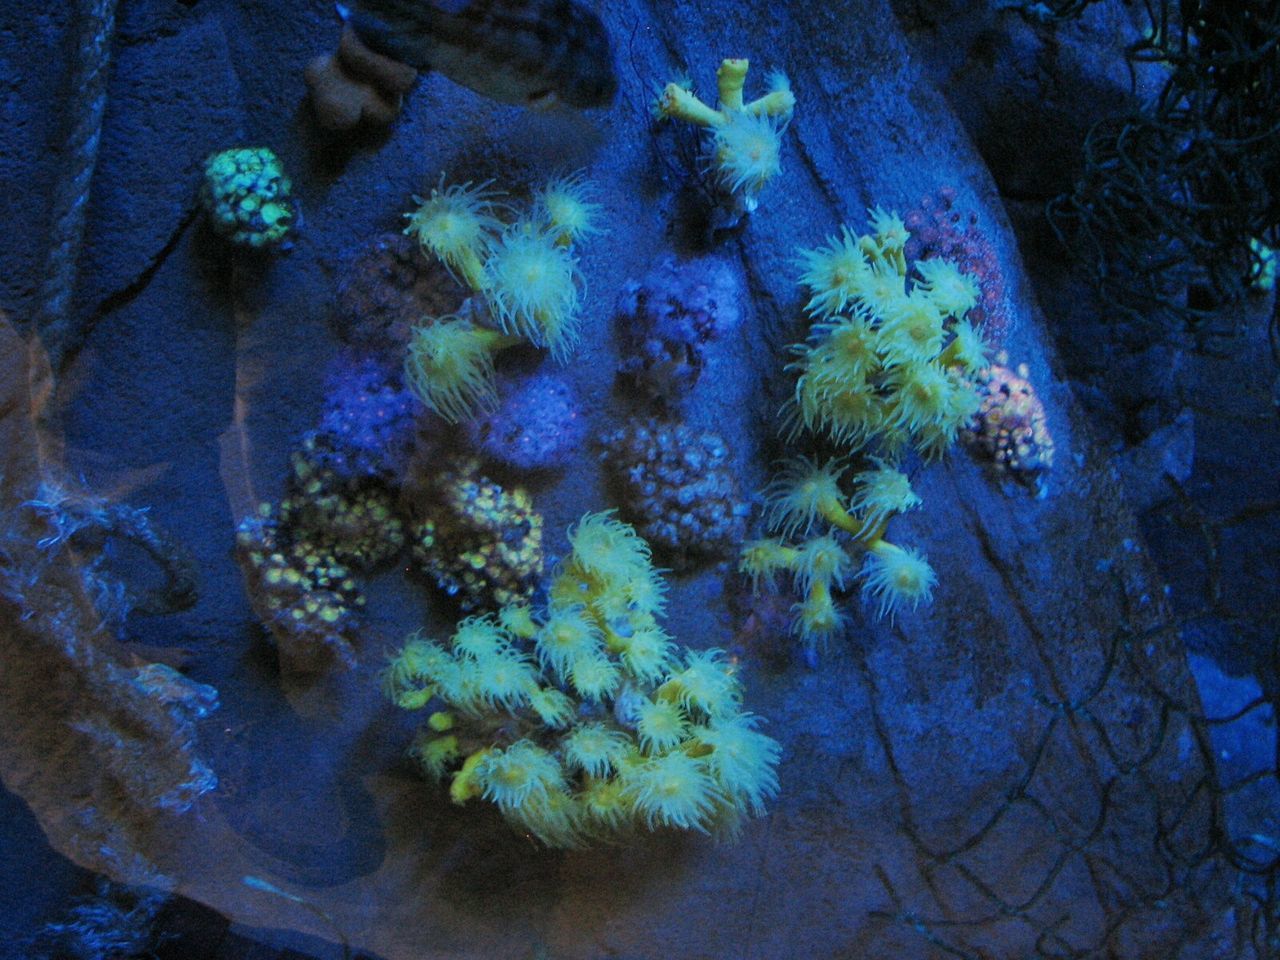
x=1175, y=196
x=1211, y=860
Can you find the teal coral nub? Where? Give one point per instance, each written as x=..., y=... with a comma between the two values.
x=248, y=197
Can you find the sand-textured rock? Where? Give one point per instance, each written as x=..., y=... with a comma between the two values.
x=1012, y=768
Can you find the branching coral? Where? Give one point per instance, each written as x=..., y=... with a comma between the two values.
x=887, y=367
x=478, y=540
x=744, y=140
x=583, y=721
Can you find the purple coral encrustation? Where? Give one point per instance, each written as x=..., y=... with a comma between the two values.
x=665, y=321
x=940, y=231
x=369, y=418
x=536, y=424
x=678, y=486
x=386, y=288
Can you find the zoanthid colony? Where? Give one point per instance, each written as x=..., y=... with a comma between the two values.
x=886, y=370
x=582, y=720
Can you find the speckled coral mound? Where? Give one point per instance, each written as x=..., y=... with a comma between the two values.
x=369, y=419
x=303, y=595
x=536, y=424
x=248, y=197
x=1011, y=428
x=479, y=541
x=678, y=486
x=355, y=520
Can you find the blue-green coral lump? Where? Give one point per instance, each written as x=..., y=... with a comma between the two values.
x=248, y=197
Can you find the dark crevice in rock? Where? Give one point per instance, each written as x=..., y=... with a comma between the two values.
x=77, y=336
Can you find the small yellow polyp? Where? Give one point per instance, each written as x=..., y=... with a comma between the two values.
x=465, y=785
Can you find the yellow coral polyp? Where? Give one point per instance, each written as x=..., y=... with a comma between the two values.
x=479, y=637
x=554, y=816
x=609, y=549
x=449, y=366
x=568, y=634
x=435, y=754
x=834, y=274
x=566, y=209
x=897, y=578
x=850, y=413
x=880, y=493
x=646, y=594
x=840, y=352
x=762, y=559
x=706, y=684
x=921, y=395
x=648, y=654
x=606, y=806
x=745, y=138
x=746, y=152
x=817, y=616
x=672, y=790
x=891, y=235
x=466, y=783
x=553, y=707
x=778, y=102
x=510, y=777
x=517, y=619
x=594, y=676
x=821, y=559
x=953, y=292
x=534, y=287
x=660, y=725
x=803, y=493
x=504, y=681
x=456, y=224
x=742, y=760
x=594, y=749
x=966, y=350
x=912, y=330
x=677, y=101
